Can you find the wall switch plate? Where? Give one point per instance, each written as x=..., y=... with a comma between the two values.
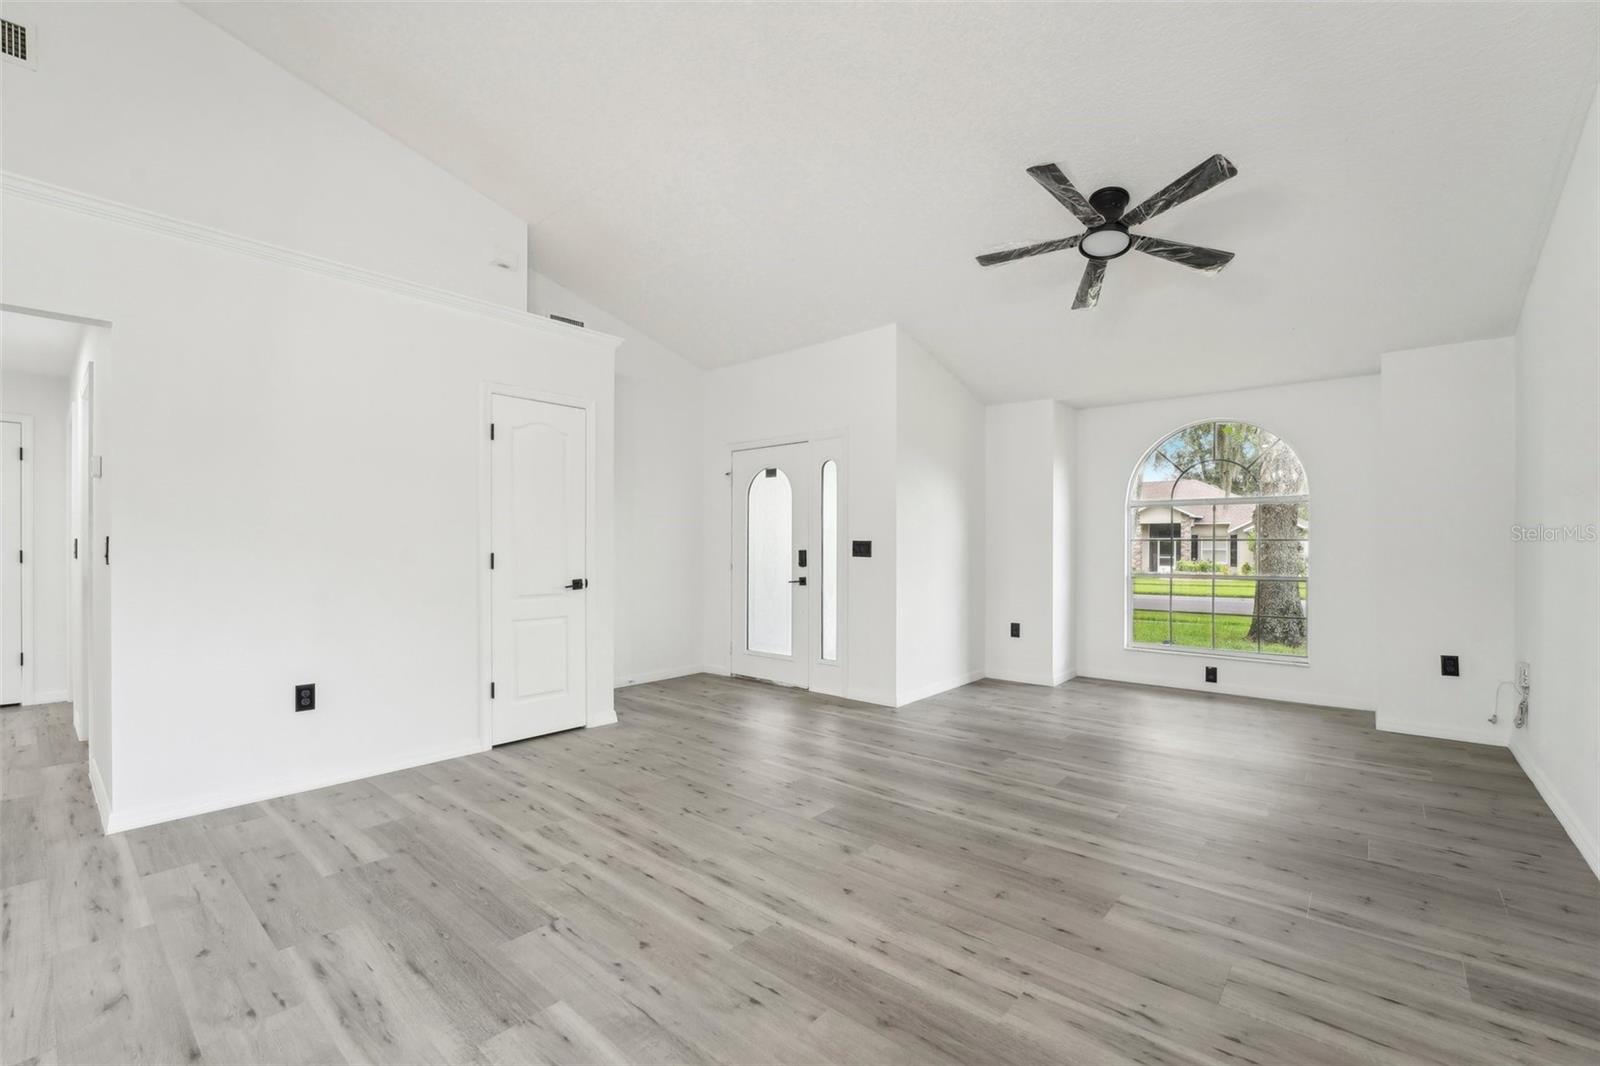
x=861, y=549
x=1524, y=677
x=305, y=697
x=1211, y=674
x=1016, y=629
x=1450, y=665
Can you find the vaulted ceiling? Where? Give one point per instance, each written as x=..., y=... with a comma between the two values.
x=738, y=180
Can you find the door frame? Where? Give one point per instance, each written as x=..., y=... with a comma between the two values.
x=825, y=677
x=25, y=535
x=591, y=549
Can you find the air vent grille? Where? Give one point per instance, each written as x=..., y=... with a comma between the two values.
x=14, y=40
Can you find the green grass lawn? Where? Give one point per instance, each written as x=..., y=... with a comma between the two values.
x=1189, y=629
x=1199, y=585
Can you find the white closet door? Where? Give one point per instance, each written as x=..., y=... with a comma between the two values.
x=538, y=505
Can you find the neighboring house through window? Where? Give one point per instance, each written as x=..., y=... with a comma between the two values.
x=1238, y=495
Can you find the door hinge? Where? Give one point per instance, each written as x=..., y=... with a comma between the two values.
x=491, y=431
x=19, y=556
x=108, y=551
x=22, y=658
x=19, y=453
x=491, y=560
x=491, y=690
x=74, y=547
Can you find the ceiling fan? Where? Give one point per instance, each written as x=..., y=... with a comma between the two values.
x=1108, y=222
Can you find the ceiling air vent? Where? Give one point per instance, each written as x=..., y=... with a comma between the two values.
x=15, y=41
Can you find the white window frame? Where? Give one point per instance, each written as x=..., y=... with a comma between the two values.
x=1132, y=505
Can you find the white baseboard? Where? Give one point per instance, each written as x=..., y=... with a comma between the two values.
x=647, y=676
x=925, y=691
x=717, y=671
x=120, y=820
x=1045, y=680
x=1018, y=677
x=1586, y=844
x=1310, y=699
x=1488, y=734
x=55, y=695
x=102, y=801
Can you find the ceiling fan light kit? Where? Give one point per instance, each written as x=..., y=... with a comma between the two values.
x=1108, y=222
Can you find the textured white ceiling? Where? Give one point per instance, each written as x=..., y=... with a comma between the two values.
x=34, y=344
x=737, y=180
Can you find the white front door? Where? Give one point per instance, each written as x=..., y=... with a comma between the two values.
x=770, y=571
x=11, y=563
x=538, y=578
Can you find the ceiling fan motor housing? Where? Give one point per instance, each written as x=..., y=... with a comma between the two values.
x=1110, y=201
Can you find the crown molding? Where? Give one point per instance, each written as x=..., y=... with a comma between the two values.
x=25, y=188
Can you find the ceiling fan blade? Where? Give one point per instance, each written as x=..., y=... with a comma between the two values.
x=1049, y=175
x=1006, y=255
x=1209, y=260
x=1212, y=172
x=1089, y=288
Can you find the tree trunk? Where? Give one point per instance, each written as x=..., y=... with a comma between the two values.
x=1278, y=617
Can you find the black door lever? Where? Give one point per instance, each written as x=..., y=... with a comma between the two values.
x=798, y=581
x=578, y=583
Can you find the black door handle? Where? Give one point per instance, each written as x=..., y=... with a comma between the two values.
x=798, y=581
x=578, y=583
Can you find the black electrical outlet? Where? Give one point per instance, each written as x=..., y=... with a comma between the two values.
x=861, y=549
x=305, y=697
x=1211, y=674
x=1016, y=629
x=1450, y=665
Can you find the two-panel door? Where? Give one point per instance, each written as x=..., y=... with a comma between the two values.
x=538, y=577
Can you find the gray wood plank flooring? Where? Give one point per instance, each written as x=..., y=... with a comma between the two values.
x=1097, y=873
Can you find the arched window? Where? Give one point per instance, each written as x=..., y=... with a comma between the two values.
x=1219, y=545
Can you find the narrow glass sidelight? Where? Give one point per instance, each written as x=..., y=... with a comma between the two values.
x=829, y=559
x=769, y=618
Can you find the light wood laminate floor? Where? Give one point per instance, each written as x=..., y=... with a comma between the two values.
x=1096, y=873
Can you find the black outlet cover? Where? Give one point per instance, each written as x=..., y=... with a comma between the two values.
x=305, y=697
x=861, y=549
x=1450, y=665
x=1211, y=674
x=1016, y=629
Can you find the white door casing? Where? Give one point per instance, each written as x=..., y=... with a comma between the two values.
x=12, y=562
x=538, y=531
x=771, y=510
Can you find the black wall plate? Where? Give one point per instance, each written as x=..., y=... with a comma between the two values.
x=1450, y=665
x=861, y=549
x=305, y=697
x=1211, y=674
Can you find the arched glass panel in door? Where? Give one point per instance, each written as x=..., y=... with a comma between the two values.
x=769, y=616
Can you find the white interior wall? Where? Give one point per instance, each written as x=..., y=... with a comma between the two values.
x=1558, y=488
x=44, y=399
x=293, y=462
x=839, y=388
x=659, y=507
x=193, y=124
x=1445, y=566
x=1332, y=425
x=939, y=493
x=1020, y=443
